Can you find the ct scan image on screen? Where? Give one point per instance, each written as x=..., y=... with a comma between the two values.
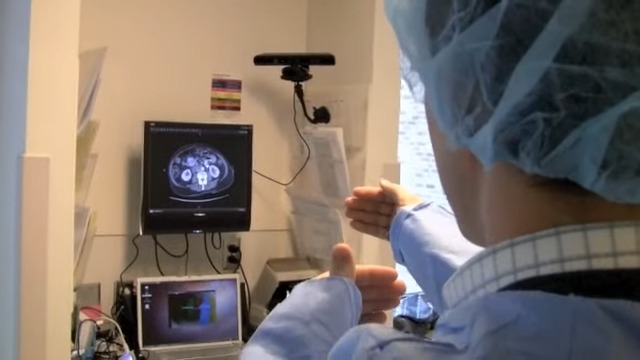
x=199, y=173
x=192, y=309
x=197, y=166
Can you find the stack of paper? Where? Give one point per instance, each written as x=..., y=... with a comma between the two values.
x=91, y=63
x=326, y=178
x=318, y=201
x=316, y=228
x=81, y=228
x=85, y=160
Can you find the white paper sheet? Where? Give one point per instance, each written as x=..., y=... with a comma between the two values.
x=317, y=228
x=84, y=177
x=328, y=157
x=81, y=223
x=91, y=63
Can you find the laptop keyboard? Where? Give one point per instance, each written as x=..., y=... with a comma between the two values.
x=212, y=353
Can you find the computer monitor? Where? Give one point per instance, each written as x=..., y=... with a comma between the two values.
x=196, y=177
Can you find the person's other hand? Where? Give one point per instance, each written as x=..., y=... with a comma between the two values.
x=380, y=286
x=371, y=209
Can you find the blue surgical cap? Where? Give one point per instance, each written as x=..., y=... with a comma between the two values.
x=551, y=86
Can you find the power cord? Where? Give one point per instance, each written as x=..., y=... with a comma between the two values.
x=76, y=351
x=157, y=245
x=186, y=261
x=304, y=141
x=246, y=282
x=235, y=257
x=220, y=242
x=206, y=250
x=125, y=350
x=135, y=257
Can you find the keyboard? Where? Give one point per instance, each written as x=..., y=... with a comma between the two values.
x=227, y=352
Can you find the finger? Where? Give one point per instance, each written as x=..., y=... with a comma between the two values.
x=379, y=317
x=380, y=305
x=373, y=230
x=370, y=192
x=342, y=262
x=375, y=275
x=393, y=192
x=374, y=206
x=376, y=293
x=369, y=218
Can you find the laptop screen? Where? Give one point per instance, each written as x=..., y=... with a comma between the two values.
x=188, y=311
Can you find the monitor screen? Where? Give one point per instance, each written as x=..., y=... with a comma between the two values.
x=196, y=177
x=188, y=312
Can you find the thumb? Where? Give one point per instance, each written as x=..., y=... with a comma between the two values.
x=392, y=191
x=342, y=262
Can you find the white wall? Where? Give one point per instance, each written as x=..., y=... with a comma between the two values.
x=161, y=55
x=344, y=28
x=51, y=121
x=14, y=39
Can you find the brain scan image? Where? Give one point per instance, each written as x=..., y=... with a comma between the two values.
x=198, y=173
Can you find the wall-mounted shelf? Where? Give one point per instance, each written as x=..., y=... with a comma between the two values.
x=85, y=218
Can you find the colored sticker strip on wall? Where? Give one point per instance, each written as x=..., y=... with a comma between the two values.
x=225, y=94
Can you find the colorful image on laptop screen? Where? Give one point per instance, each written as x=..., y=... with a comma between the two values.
x=188, y=312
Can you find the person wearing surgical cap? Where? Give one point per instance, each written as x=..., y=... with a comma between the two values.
x=534, y=114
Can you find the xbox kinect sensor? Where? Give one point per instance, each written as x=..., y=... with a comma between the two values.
x=294, y=59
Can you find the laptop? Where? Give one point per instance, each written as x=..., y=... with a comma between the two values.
x=190, y=318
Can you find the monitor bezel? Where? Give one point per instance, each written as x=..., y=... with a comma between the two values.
x=172, y=279
x=196, y=221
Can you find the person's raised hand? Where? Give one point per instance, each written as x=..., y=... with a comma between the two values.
x=379, y=286
x=372, y=208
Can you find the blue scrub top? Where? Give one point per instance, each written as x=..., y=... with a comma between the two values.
x=319, y=320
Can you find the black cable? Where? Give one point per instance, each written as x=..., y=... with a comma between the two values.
x=157, y=244
x=239, y=262
x=119, y=305
x=175, y=256
x=113, y=350
x=213, y=242
x=135, y=257
x=155, y=248
x=206, y=250
x=76, y=346
x=246, y=282
x=238, y=256
x=304, y=141
x=186, y=261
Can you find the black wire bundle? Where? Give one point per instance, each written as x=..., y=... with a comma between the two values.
x=185, y=253
x=244, y=276
x=76, y=343
x=135, y=257
x=206, y=250
x=306, y=145
x=246, y=283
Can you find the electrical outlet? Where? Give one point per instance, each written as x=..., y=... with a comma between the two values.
x=229, y=239
x=117, y=288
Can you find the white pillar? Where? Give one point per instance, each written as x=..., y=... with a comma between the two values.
x=52, y=101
